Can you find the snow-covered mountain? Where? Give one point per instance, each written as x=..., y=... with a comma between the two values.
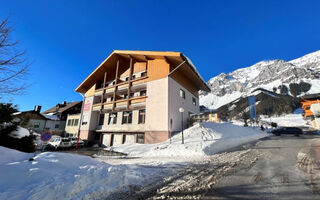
x=300, y=76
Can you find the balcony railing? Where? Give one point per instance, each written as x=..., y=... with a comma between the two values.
x=119, y=102
x=123, y=83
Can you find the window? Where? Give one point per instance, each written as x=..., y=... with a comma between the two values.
x=182, y=94
x=101, y=119
x=36, y=125
x=124, y=139
x=142, y=116
x=143, y=93
x=127, y=117
x=143, y=74
x=133, y=77
x=72, y=122
x=56, y=126
x=112, y=118
x=140, y=138
x=76, y=122
x=131, y=94
x=125, y=96
x=69, y=122
x=194, y=101
x=127, y=78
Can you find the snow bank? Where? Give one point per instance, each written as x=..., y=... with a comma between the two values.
x=11, y=156
x=200, y=140
x=288, y=120
x=20, y=132
x=68, y=176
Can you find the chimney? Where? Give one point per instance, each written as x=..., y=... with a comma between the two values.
x=64, y=103
x=37, y=108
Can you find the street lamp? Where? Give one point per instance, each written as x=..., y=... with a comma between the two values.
x=181, y=110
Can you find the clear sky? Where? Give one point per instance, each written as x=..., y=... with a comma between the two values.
x=66, y=40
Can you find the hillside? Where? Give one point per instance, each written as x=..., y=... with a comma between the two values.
x=288, y=80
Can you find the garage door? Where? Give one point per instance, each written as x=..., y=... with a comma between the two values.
x=129, y=139
x=117, y=139
x=106, y=139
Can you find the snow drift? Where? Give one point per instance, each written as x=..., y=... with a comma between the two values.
x=68, y=176
x=203, y=139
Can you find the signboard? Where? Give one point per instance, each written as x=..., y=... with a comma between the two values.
x=87, y=106
x=46, y=136
x=252, y=107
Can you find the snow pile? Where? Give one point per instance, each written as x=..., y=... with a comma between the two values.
x=11, y=156
x=68, y=176
x=200, y=140
x=288, y=120
x=20, y=132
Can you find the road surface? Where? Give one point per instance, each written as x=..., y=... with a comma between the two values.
x=265, y=170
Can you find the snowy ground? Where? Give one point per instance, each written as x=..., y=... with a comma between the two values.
x=67, y=176
x=53, y=175
x=20, y=132
x=204, y=139
x=295, y=120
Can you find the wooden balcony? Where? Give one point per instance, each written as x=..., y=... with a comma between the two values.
x=96, y=107
x=138, y=101
x=124, y=83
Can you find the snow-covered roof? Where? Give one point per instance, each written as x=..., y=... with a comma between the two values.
x=50, y=116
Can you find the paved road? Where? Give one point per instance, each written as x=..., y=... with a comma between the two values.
x=273, y=176
x=264, y=170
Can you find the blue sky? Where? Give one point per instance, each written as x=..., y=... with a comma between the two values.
x=66, y=40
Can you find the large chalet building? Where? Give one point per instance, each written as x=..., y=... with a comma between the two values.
x=135, y=96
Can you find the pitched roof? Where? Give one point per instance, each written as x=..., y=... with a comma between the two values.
x=311, y=96
x=61, y=108
x=43, y=116
x=175, y=58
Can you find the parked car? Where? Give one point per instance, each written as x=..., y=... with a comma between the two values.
x=287, y=130
x=55, y=141
x=74, y=142
x=65, y=143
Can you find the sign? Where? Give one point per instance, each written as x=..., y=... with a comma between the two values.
x=87, y=106
x=252, y=107
x=46, y=136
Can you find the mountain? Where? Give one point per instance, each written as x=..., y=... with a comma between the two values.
x=293, y=78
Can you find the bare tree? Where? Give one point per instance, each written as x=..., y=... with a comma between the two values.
x=13, y=64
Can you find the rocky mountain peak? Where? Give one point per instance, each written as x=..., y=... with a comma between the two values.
x=267, y=74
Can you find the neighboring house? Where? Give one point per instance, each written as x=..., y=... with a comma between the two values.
x=306, y=102
x=72, y=125
x=36, y=121
x=61, y=111
x=135, y=96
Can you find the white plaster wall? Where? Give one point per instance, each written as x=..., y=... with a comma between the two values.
x=175, y=102
x=50, y=124
x=41, y=125
x=134, y=126
x=157, y=105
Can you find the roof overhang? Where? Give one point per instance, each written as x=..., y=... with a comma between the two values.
x=174, y=58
